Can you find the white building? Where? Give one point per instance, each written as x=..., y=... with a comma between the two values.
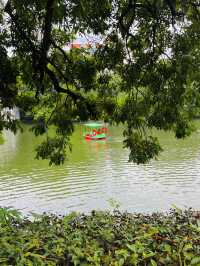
x=13, y=113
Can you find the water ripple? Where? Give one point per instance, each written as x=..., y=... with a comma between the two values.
x=97, y=172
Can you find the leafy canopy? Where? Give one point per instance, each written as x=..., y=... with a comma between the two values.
x=144, y=73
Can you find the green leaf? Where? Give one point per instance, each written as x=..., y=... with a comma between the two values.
x=148, y=255
x=187, y=247
x=153, y=263
x=195, y=261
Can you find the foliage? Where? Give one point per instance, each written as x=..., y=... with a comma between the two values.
x=100, y=238
x=148, y=55
x=1, y=139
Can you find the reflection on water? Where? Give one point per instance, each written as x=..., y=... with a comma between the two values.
x=96, y=172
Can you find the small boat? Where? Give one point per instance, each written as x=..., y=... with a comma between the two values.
x=95, y=131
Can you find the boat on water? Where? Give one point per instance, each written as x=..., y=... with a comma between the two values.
x=95, y=131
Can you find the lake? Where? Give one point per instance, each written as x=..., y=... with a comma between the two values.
x=97, y=173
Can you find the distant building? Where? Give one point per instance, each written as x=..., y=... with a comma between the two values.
x=13, y=113
x=75, y=45
x=90, y=47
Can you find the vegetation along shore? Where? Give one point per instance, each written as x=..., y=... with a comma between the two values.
x=100, y=238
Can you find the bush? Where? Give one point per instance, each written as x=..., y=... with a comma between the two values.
x=101, y=238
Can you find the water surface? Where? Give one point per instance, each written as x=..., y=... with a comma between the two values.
x=97, y=172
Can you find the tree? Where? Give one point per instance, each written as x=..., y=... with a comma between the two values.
x=150, y=48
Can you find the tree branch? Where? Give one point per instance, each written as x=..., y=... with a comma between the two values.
x=8, y=9
x=58, y=70
x=46, y=40
x=74, y=95
x=130, y=7
x=61, y=51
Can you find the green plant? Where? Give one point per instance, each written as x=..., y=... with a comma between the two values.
x=101, y=238
x=1, y=139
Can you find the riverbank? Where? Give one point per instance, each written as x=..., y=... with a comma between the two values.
x=101, y=238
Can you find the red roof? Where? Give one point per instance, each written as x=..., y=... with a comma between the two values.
x=76, y=45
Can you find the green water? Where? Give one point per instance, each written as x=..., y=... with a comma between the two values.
x=97, y=172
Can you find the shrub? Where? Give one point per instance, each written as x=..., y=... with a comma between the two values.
x=101, y=238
